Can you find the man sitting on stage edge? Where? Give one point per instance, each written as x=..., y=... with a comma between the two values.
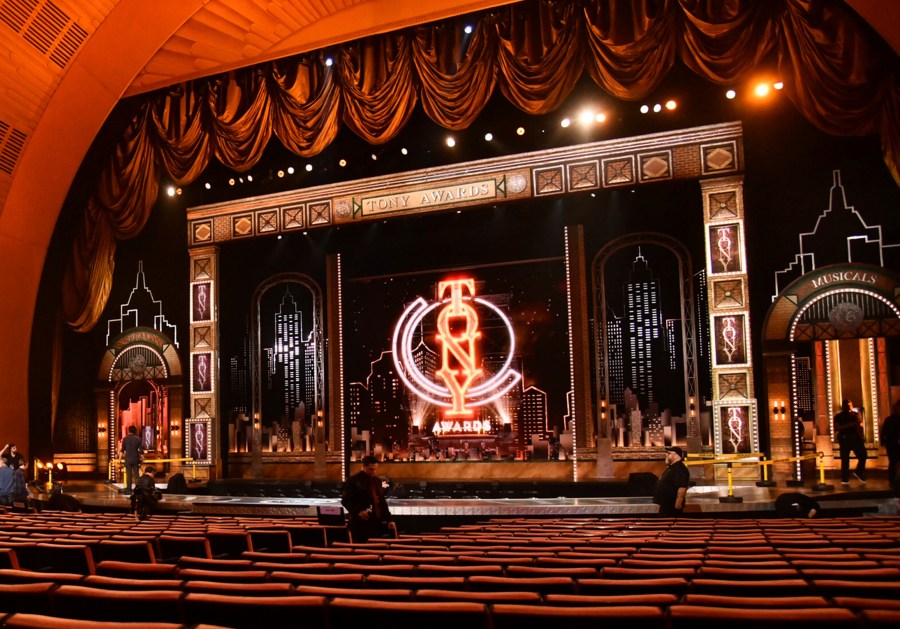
x=364, y=500
x=672, y=486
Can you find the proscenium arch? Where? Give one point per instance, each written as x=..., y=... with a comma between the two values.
x=686, y=295
x=876, y=283
x=318, y=337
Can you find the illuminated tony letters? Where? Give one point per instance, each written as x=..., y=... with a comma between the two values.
x=460, y=383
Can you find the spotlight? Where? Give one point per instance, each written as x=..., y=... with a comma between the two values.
x=249, y=177
x=290, y=170
x=761, y=90
x=671, y=105
x=488, y=137
x=374, y=157
x=450, y=141
x=231, y=181
x=170, y=191
x=586, y=117
x=657, y=108
x=178, y=191
x=468, y=29
x=279, y=236
x=280, y=174
x=342, y=163
x=730, y=94
x=329, y=61
x=207, y=186
x=644, y=109
x=241, y=179
x=520, y=131
x=779, y=85
x=564, y=123
x=309, y=168
x=600, y=117
x=404, y=151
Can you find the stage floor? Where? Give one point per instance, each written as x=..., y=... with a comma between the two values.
x=702, y=501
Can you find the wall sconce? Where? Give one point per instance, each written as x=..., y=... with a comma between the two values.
x=256, y=420
x=174, y=427
x=779, y=409
x=693, y=407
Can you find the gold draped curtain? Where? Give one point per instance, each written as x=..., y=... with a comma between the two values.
x=533, y=52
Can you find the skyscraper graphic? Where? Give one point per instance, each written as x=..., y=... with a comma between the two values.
x=291, y=364
x=141, y=310
x=533, y=416
x=643, y=315
x=389, y=403
x=239, y=368
x=615, y=356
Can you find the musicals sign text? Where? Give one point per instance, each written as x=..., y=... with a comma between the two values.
x=459, y=385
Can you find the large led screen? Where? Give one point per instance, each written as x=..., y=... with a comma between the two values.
x=462, y=363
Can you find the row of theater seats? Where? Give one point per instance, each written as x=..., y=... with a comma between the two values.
x=668, y=574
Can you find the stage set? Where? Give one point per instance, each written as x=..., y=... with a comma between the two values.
x=534, y=355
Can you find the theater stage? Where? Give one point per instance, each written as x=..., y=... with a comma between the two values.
x=428, y=513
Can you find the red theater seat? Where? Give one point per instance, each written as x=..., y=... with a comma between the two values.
x=509, y=616
x=251, y=612
x=37, y=621
x=89, y=603
x=702, y=617
x=346, y=612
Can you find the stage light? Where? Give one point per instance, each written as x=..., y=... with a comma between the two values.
x=290, y=170
x=207, y=186
x=309, y=168
x=231, y=181
x=374, y=157
x=657, y=108
x=451, y=142
x=761, y=90
x=671, y=105
x=730, y=94
x=600, y=117
x=468, y=29
x=280, y=174
x=520, y=131
x=644, y=109
x=170, y=191
x=404, y=151
x=279, y=236
x=249, y=177
x=241, y=179
x=488, y=137
x=586, y=117
x=329, y=61
x=178, y=191
x=564, y=123
x=778, y=85
x=342, y=163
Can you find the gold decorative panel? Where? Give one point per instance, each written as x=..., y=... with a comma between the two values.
x=202, y=407
x=201, y=232
x=548, y=180
x=202, y=336
x=202, y=268
x=320, y=213
x=584, y=176
x=618, y=171
x=733, y=385
x=292, y=217
x=242, y=225
x=656, y=166
x=728, y=293
x=719, y=158
x=723, y=205
x=266, y=221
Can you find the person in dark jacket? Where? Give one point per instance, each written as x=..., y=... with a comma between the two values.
x=848, y=428
x=671, y=488
x=145, y=495
x=131, y=450
x=364, y=500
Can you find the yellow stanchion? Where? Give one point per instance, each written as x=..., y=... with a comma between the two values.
x=822, y=485
x=765, y=482
x=730, y=497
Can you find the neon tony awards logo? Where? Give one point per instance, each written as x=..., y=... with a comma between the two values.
x=460, y=384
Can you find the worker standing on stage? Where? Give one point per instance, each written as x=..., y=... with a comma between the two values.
x=672, y=486
x=848, y=428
